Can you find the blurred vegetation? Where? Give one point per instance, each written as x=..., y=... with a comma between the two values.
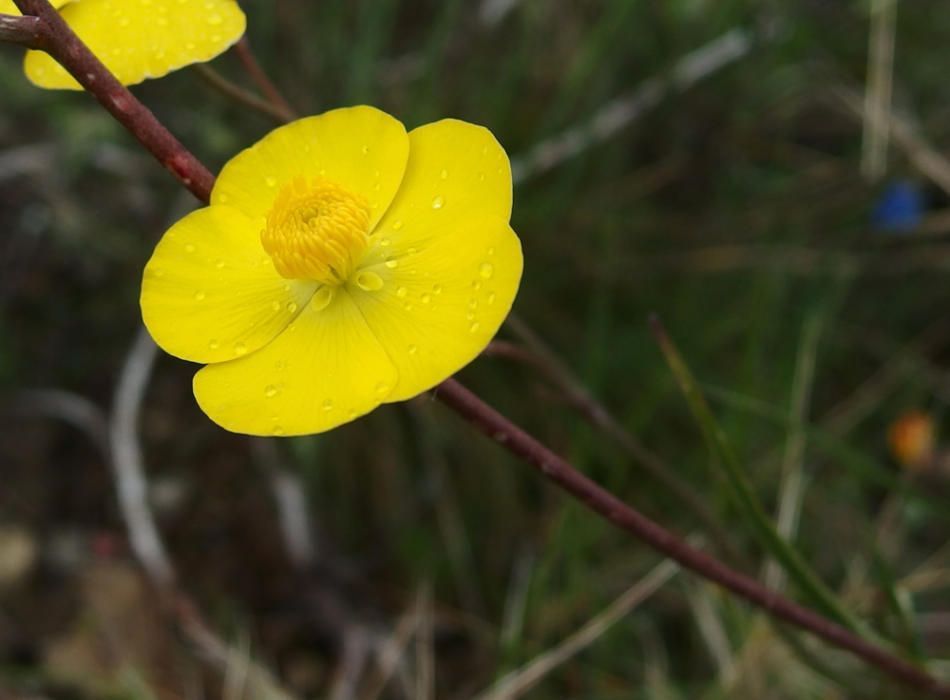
x=735, y=209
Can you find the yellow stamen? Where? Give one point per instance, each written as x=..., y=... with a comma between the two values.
x=316, y=230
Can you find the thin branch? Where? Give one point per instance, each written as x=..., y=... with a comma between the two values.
x=556, y=469
x=279, y=103
x=143, y=124
x=239, y=94
x=28, y=32
x=540, y=356
x=69, y=51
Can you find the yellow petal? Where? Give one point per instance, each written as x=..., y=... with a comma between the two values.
x=139, y=40
x=444, y=300
x=324, y=370
x=8, y=8
x=210, y=293
x=455, y=170
x=360, y=148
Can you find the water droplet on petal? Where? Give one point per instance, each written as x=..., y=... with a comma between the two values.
x=271, y=181
x=214, y=344
x=322, y=298
x=200, y=296
x=278, y=431
x=491, y=298
x=437, y=288
x=292, y=307
x=486, y=270
x=474, y=327
x=473, y=303
x=382, y=388
x=444, y=174
x=385, y=242
x=369, y=281
x=426, y=298
x=327, y=405
x=275, y=305
x=392, y=263
x=402, y=292
x=189, y=248
x=397, y=224
x=219, y=264
x=240, y=349
x=413, y=349
x=491, y=251
x=270, y=391
x=438, y=202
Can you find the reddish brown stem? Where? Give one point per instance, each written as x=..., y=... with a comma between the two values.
x=29, y=32
x=66, y=48
x=558, y=470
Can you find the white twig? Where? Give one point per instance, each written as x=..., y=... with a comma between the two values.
x=68, y=407
x=620, y=112
x=127, y=464
x=520, y=681
x=290, y=499
x=492, y=12
x=877, y=95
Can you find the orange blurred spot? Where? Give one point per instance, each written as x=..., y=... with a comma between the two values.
x=911, y=440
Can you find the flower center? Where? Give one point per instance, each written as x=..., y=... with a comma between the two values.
x=316, y=230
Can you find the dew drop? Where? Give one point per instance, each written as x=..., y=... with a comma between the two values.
x=365, y=150
x=408, y=306
x=292, y=307
x=437, y=289
x=392, y=263
x=214, y=344
x=486, y=270
x=369, y=281
x=382, y=388
x=426, y=298
x=240, y=349
x=200, y=296
x=219, y=264
x=413, y=349
x=491, y=297
x=322, y=298
x=473, y=303
x=444, y=174
x=397, y=224
x=270, y=391
x=402, y=292
x=157, y=272
x=280, y=365
x=189, y=248
x=275, y=305
x=481, y=177
x=385, y=242
x=491, y=251
x=214, y=19
x=327, y=405
x=476, y=285
x=271, y=181
x=474, y=327
x=438, y=202
x=278, y=431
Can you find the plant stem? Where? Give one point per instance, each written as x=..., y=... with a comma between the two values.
x=556, y=469
x=66, y=48
x=239, y=94
x=29, y=32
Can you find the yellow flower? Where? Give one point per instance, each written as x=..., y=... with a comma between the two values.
x=139, y=39
x=342, y=263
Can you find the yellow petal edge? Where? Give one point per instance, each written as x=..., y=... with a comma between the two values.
x=142, y=39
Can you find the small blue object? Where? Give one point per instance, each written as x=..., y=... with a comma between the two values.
x=900, y=208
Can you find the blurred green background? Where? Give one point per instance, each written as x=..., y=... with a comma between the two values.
x=713, y=162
